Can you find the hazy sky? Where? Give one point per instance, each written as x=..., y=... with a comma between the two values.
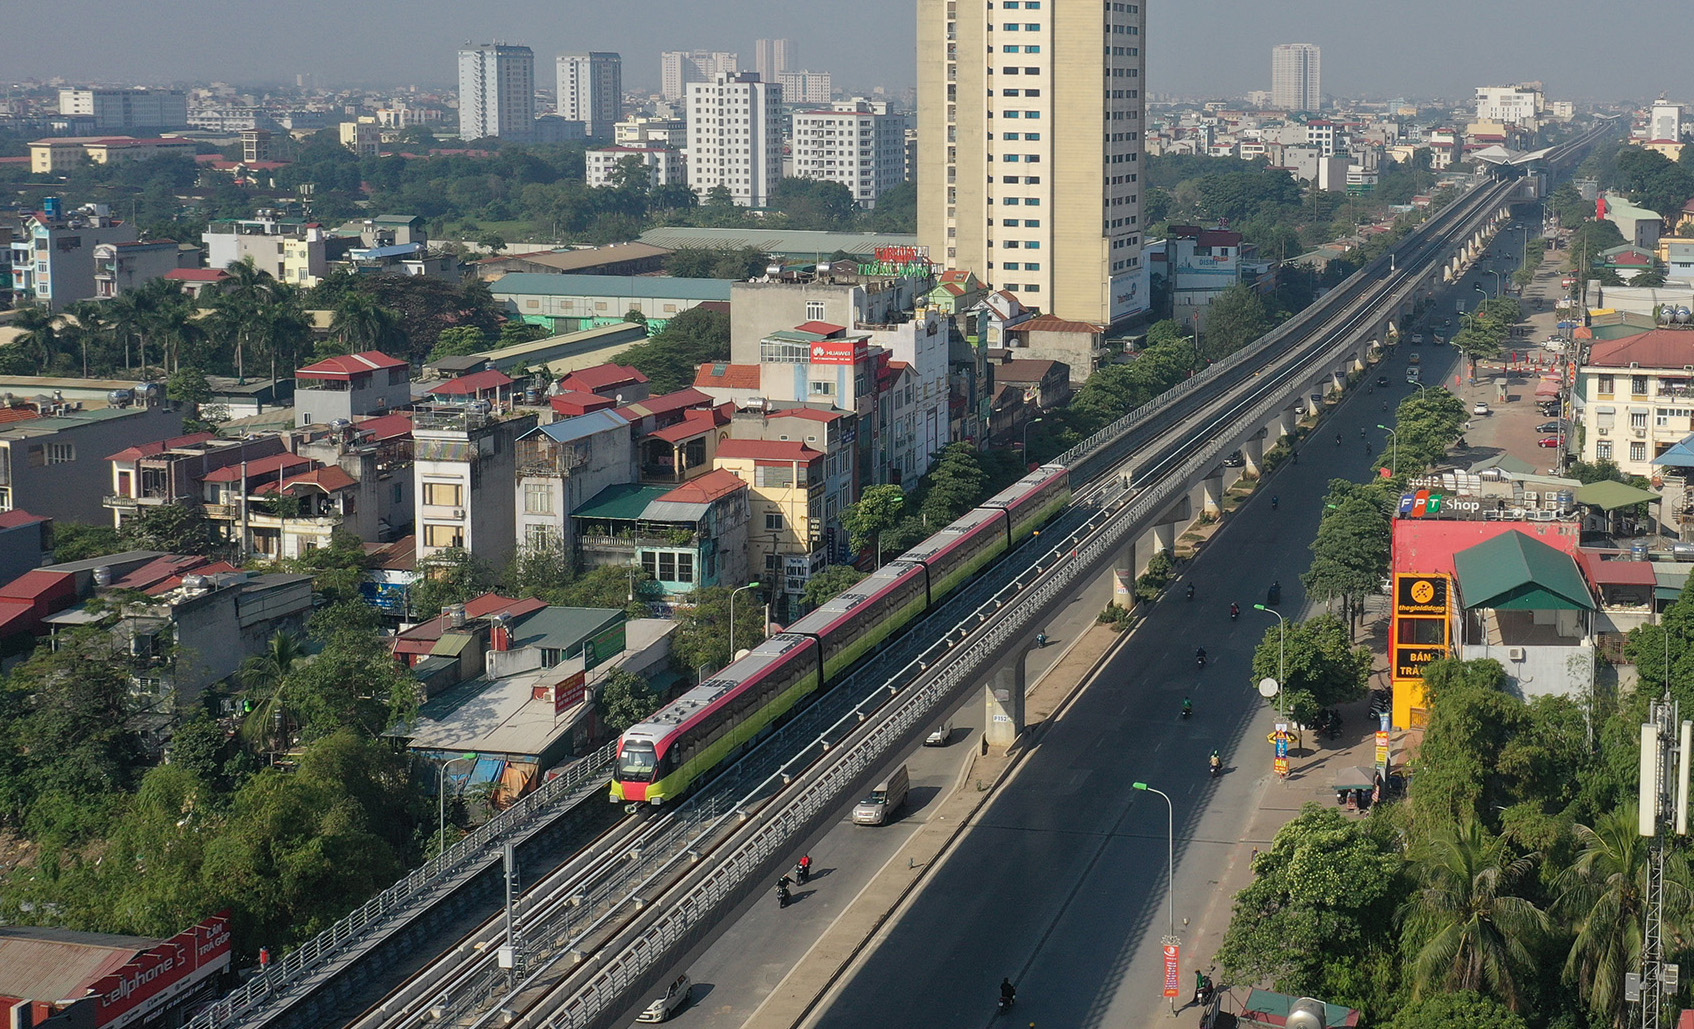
x=1580, y=48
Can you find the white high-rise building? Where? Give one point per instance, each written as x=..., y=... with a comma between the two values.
x=1666, y=121
x=856, y=143
x=127, y=110
x=1296, y=79
x=806, y=87
x=679, y=68
x=1509, y=105
x=1029, y=157
x=772, y=57
x=591, y=91
x=735, y=137
x=497, y=92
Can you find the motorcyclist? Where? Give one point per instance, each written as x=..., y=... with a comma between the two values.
x=1008, y=993
x=1367, y=448
x=1200, y=654
x=1216, y=763
x=1275, y=500
x=1190, y=591
x=1234, y=611
x=1338, y=439
x=805, y=867
x=1187, y=707
x=1202, y=987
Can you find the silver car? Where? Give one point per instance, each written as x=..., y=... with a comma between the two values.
x=676, y=995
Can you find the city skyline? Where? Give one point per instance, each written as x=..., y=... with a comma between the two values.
x=1366, y=54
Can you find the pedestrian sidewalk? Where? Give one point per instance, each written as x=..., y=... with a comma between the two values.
x=801, y=992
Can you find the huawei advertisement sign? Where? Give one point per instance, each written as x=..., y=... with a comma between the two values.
x=838, y=351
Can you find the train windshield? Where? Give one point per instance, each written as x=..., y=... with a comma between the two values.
x=637, y=762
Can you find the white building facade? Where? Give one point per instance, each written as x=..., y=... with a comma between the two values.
x=1519, y=106
x=735, y=137
x=497, y=92
x=126, y=110
x=665, y=167
x=854, y=143
x=1297, y=76
x=679, y=68
x=591, y=91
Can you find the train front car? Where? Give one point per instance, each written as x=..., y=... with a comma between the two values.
x=661, y=758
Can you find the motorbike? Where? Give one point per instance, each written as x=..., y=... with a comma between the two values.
x=1006, y=1002
x=1190, y=591
x=1199, y=659
x=1187, y=709
x=1040, y=639
x=1217, y=766
x=802, y=872
x=1234, y=612
x=1203, y=993
x=782, y=894
x=1274, y=502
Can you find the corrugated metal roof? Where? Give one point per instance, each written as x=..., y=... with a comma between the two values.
x=651, y=287
x=1515, y=572
x=626, y=501
x=53, y=964
x=565, y=430
x=788, y=242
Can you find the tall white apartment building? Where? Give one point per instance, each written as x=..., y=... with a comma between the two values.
x=1296, y=76
x=1027, y=177
x=772, y=57
x=591, y=91
x=680, y=68
x=497, y=92
x=665, y=167
x=127, y=110
x=1665, y=121
x=735, y=137
x=1509, y=105
x=806, y=87
x=856, y=143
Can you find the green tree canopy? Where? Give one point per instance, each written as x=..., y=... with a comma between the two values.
x=1322, y=667
x=459, y=341
x=452, y=575
x=171, y=528
x=670, y=358
x=877, y=510
x=1462, y=1009
x=1235, y=318
x=703, y=631
x=1351, y=550
x=830, y=583
x=622, y=699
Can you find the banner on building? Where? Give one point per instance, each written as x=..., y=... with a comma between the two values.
x=1173, y=974
x=153, y=978
x=604, y=645
x=569, y=691
x=838, y=351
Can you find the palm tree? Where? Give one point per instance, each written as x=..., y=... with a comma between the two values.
x=129, y=313
x=91, y=325
x=264, y=675
x=1476, y=933
x=39, y=334
x=246, y=294
x=362, y=324
x=1604, y=893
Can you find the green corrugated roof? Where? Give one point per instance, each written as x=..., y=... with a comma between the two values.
x=451, y=644
x=1514, y=572
x=1609, y=494
x=626, y=500
x=647, y=287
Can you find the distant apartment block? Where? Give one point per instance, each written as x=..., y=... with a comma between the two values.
x=127, y=110
x=497, y=92
x=230, y=118
x=62, y=152
x=1296, y=76
x=645, y=131
x=1516, y=106
x=806, y=87
x=735, y=137
x=363, y=137
x=772, y=57
x=591, y=91
x=1665, y=122
x=679, y=68
x=856, y=143
x=54, y=261
x=55, y=465
x=665, y=167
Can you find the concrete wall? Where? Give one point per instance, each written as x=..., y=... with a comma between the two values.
x=1544, y=672
x=220, y=629
x=71, y=491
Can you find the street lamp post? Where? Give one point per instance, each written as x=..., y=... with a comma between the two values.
x=1394, y=454
x=1499, y=283
x=1170, y=873
x=1026, y=426
x=1281, y=671
x=441, y=797
x=732, y=593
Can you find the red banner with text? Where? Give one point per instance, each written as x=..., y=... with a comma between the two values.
x=1173, y=977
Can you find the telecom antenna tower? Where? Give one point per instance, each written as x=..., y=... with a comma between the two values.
x=1666, y=745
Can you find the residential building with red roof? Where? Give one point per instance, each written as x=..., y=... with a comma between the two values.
x=618, y=382
x=1636, y=398
x=561, y=466
x=786, y=539
x=120, y=267
x=489, y=385
x=686, y=538
x=571, y=403
x=195, y=281
x=351, y=386
x=173, y=472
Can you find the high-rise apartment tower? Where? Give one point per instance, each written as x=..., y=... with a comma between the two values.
x=735, y=137
x=678, y=68
x=1028, y=177
x=772, y=57
x=497, y=92
x=591, y=91
x=1295, y=81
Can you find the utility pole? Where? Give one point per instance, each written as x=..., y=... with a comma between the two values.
x=1666, y=744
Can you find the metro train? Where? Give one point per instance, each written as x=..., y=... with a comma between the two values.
x=661, y=757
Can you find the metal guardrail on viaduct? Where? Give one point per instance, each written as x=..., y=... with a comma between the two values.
x=1000, y=620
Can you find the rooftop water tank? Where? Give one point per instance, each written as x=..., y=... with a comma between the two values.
x=103, y=576
x=455, y=615
x=1306, y=1013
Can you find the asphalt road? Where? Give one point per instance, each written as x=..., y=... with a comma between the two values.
x=1061, y=884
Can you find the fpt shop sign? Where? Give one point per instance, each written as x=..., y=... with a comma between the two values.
x=1424, y=504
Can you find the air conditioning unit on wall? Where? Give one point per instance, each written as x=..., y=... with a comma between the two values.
x=1514, y=653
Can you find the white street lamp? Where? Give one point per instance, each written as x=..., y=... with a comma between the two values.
x=732, y=593
x=1281, y=671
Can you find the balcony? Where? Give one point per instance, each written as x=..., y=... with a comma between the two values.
x=120, y=501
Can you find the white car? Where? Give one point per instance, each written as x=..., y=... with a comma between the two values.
x=1481, y=408
x=676, y=995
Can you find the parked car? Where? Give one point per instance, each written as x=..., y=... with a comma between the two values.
x=1234, y=460
x=1552, y=426
x=1550, y=442
x=1481, y=407
x=939, y=736
x=676, y=995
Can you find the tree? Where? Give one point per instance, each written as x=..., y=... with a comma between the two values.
x=1604, y=895
x=459, y=341
x=266, y=711
x=75, y=542
x=352, y=683
x=703, y=634
x=1461, y=1010
x=200, y=747
x=1319, y=899
x=1467, y=927
x=361, y=324
x=956, y=484
x=171, y=528
x=514, y=331
x=669, y=359
x=622, y=699
x=615, y=586
x=635, y=317
x=1319, y=664
x=830, y=583
x=1235, y=318
x=1351, y=550
x=877, y=510
x=452, y=575
x=814, y=203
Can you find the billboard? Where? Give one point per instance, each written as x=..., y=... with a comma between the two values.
x=1128, y=294
x=151, y=979
x=1421, y=632
x=838, y=351
x=569, y=691
x=604, y=645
